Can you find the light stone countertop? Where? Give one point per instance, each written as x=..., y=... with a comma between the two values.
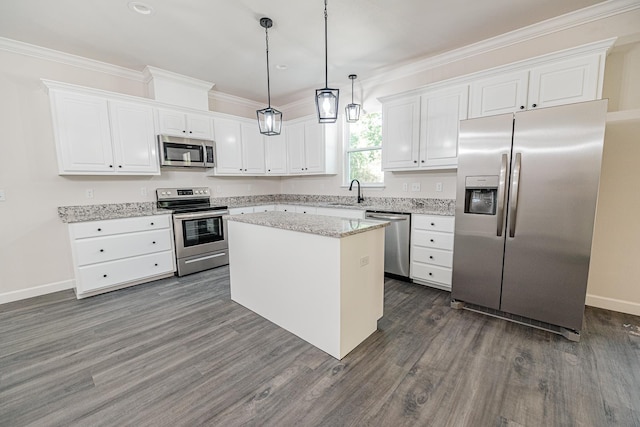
x=71, y=214
x=313, y=224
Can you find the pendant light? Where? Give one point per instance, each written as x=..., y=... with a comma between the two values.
x=352, y=110
x=326, y=98
x=269, y=119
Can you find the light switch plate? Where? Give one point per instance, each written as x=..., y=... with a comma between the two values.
x=415, y=186
x=89, y=193
x=405, y=187
x=438, y=186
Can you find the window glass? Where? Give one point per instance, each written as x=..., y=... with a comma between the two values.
x=364, y=150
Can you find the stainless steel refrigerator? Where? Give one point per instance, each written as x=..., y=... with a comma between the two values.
x=527, y=187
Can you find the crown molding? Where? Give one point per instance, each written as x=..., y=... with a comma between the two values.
x=150, y=73
x=236, y=100
x=40, y=52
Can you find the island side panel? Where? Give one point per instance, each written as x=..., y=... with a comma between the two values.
x=362, y=290
x=289, y=278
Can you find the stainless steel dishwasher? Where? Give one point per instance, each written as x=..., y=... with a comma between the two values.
x=396, y=241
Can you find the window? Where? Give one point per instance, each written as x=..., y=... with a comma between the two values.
x=364, y=150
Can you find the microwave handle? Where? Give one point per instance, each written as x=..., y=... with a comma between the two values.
x=206, y=156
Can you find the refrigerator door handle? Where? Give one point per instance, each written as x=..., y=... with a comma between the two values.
x=501, y=194
x=515, y=189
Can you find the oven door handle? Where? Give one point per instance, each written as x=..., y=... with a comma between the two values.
x=199, y=215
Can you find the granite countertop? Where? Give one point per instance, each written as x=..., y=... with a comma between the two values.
x=313, y=224
x=70, y=214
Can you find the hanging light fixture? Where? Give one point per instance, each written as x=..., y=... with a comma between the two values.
x=352, y=110
x=326, y=99
x=269, y=119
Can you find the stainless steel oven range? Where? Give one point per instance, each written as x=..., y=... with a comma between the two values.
x=199, y=230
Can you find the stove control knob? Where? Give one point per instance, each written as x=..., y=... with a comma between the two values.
x=168, y=193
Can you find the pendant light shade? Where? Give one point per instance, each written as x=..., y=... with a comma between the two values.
x=269, y=119
x=326, y=98
x=352, y=111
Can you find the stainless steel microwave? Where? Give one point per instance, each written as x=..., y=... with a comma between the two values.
x=185, y=152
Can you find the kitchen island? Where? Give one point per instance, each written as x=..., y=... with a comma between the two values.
x=320, y=278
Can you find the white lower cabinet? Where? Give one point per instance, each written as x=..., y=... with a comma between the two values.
x=116, y=253
x=432, y=250
x=241, y=211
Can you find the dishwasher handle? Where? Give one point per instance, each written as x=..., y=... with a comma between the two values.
x=392, y=218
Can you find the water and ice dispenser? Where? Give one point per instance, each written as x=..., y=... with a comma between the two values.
x=481, y=194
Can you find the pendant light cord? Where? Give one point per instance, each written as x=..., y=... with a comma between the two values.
x=326, y=55
x=352, y=80
x=266, y=33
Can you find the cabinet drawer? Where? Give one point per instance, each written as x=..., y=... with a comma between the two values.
x=306, y=209
x=101, y=249
x=433, y=223
x=264, y=208
x=241, y=211
x=286, y=208
x=112, y=273
x=432, y=239
x=431, y=273
x=433, y=256
x=107, y=227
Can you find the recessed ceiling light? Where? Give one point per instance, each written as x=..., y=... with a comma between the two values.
x=281, y=67
x=141, y=8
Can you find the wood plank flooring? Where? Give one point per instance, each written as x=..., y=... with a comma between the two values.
x=179, y=352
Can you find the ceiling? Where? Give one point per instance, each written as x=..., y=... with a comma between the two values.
x=221, y=41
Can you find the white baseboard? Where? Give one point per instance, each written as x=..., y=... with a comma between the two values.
x=613, y=304
x=35, y=291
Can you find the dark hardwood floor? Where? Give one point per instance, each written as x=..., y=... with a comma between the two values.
x=179, y=352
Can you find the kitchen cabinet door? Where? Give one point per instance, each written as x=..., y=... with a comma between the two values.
x=400, y=134
x=228, y=147
x=565, y=82
x=295, y=148
x=82, y=133
x=314, y=147
x=199, y=126
x=252, y=149
x=441, y=112
x=172, y=123
x=134, y=138
x=504, y=93
x=276, y=154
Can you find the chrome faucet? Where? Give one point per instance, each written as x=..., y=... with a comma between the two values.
x=360, y=198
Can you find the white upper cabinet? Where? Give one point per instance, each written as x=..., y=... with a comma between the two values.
x=189, y=125
x=421, y=132
x=276, y=154
x=228, y=139
x=565, y=82
x=134, y=139
x=401, y=133
x=552, y=83
x=311, y=147
x=83, y=136
x=252, y=149
x=239, y=148
x=441, y=112
x=504, y=93
x=98, y=136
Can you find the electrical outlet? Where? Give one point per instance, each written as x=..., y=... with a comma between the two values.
x=364, y=260
x=405, y=187
x=2, y=196
x=438, y=186
x=143, y=191
x=89, y=193
x=415, y=186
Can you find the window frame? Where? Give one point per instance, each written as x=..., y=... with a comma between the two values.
x=347, y=151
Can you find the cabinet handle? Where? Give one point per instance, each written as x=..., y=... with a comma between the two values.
x=184, y=131
x=99, y=229
x=240, y=169
x=415, y=161
x=430, y=274
x=189, y=132
x=104, y=275
x=151, y=223
x=154, y=242
x=110, y=166
x=421, y=161
x=522, y=107
x=268, y=170
x=156, y=264
x=534, y=105
x=245, y=170
x=430, y=256
x=101, y=250
x=433, y=224
x=431, y=240
x=120, y=166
